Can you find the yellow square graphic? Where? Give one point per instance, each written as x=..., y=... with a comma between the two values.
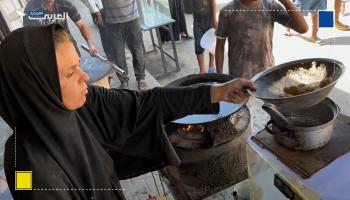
x=23, y=180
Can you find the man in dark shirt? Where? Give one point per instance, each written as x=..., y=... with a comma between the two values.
x=46, y=12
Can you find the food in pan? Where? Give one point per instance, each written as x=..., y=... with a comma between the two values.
x=302, y=88
x=303, y=80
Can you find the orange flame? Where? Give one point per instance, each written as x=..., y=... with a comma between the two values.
x=193, y=128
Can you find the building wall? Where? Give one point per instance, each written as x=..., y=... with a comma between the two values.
x=12, y=11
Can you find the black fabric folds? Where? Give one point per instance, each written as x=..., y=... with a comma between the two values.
x=81, y=154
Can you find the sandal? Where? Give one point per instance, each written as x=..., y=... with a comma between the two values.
x=187, y=37
x=342, y=27
x=288, y=33
x=318, y=41
x=211, y=70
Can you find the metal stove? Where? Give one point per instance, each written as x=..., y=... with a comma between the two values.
x=211, y=147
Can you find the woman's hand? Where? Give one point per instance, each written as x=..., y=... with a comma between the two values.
x=231, y=91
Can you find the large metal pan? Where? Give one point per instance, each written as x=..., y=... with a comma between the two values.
x=226, y=109
x=267, y=92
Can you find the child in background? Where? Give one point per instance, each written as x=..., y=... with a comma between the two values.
x=204, y=18
x=248, y=26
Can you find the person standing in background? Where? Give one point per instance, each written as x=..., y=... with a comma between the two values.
x=179, y=26
x=96, y=10
x=250, y=34
x=312, y=7
x=122, y=19
x=204, y=18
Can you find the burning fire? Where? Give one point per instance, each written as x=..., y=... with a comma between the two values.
x=193, y=128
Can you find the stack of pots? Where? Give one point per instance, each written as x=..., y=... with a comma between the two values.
x=301, y=122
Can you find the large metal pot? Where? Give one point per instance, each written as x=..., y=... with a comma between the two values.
x=308, y=128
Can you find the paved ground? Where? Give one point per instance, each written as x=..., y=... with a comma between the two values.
x=285, y=49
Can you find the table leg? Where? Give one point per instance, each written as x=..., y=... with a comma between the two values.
x=152, y=38
x=174, y=47
x=142, y=42
x=161, y=50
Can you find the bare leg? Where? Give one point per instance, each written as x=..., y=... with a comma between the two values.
x=314, y=18
x=200, y=58
x=212, y=68
x=211, y=60
x=337, y=23
x=337, y=4
x=314, y=38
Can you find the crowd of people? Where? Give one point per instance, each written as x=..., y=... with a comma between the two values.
x=73, y=136
x=249, y=34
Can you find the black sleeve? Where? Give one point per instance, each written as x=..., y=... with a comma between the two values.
x=25, y=21
x=72, y=11
x=170, y=103
x=223, y=28
x=177, y=102
x=131, y=124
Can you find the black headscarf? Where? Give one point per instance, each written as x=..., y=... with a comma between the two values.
x=81, y=154
x=52, y=142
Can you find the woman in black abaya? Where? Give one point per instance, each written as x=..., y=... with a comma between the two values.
x=78, y=141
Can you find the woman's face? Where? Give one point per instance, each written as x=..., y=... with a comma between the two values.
x=72, y=78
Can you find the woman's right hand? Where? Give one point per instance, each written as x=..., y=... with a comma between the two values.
x=233, y=91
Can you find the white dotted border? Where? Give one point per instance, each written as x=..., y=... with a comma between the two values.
x=259, y=10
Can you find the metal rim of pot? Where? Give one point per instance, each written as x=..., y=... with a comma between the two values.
x=286, y=128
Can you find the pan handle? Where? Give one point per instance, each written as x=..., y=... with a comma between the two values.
x=117, y=69
x=268, y=129
x=280, y=129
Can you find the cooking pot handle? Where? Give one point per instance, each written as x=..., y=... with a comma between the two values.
x=268, y=129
